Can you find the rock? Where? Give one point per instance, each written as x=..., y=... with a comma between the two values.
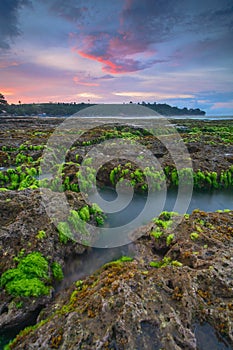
x=133, y=305
x=23, y=215
x=182, y=304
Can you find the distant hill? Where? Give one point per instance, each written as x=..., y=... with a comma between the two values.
x=45, y=109
x=67, y=109
x=165, y=109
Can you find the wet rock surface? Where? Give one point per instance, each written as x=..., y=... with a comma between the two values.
x=23, y=216
x=208, y=151
x=133, y=305
x=176, y=293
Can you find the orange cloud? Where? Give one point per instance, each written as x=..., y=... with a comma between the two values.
x=109, y=67
x=6, y=92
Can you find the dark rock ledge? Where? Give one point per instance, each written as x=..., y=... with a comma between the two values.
x=132, y=305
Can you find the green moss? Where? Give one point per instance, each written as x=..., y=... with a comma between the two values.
x=79, y=284
x=95, y=209
x=41, y=235
x=112, y=175
x=156, y=233
x=20, y=255
x=57, y=271
x=87, y=161
x=163, y=224
x=29, y=278
x=125, y=258
x=34, y=264
x=26, y=287
x=169, y=239
x=19, y=305
x=99, y=220
x=166, y=215
x=84, y=213
x=199, y=229
x=74, y=219
x=176, y=263
x=201, y=222
x=64, y=231
x=166, y=261
x=98, y=214
x=162, y=263
x=194, y=236
x=120, y=261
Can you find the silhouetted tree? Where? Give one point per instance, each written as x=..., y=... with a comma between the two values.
x=3, y=101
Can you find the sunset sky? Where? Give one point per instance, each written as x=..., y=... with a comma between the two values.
x=113, y=51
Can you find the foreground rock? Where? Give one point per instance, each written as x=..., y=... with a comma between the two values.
x=186, y=303
x=25, y=228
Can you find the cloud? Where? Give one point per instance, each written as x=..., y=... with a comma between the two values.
x=89, y=95
x=6, y=63
x=150, y=21
x=7, y=92
x=116, y=65
x=219, y=105
x=157, y=95
x=9, y=26
x=79, y=81
x=104, y=77
x=126, y=36
x=217, y=12
x=126, y=44
x=133, y=40
x=69, y=9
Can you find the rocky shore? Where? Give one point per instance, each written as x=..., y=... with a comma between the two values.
x=172, y=288
x=170, y=296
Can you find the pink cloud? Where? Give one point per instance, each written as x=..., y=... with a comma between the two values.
x=109, y=66
x=115, y=53
x=119, y=50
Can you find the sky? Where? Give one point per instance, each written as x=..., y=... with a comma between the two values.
x=165, y=51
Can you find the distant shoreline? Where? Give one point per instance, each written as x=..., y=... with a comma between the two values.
x=67, y=109
x=176, y=117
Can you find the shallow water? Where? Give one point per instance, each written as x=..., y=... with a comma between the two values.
x=128, y=214
x=207, y=201
x=146, y=117
x=84, y=265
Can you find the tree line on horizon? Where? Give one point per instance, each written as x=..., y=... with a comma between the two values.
x=66, y=109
